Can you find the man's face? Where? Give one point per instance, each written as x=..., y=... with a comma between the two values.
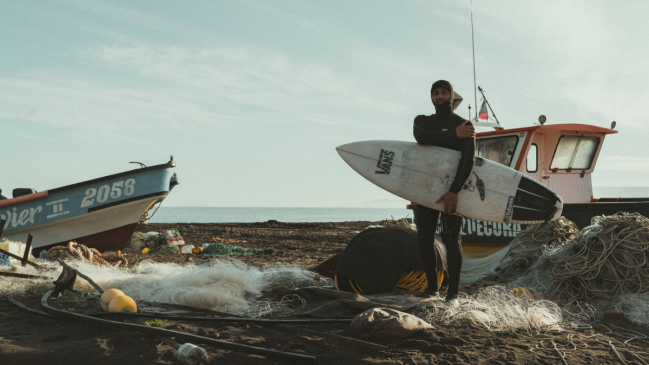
x=440, y=95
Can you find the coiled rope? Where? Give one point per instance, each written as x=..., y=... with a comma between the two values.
x=607, y=260
x=81, y=252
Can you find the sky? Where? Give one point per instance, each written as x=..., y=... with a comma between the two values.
x=252, y=97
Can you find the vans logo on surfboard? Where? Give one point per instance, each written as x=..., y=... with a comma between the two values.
x=385, y=162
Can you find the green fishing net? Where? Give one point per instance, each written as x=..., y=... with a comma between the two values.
x=218, y=249
x=170, y=248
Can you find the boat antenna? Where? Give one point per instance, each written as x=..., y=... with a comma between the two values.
x=475, y=93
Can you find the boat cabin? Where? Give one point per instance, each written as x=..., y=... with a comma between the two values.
x=561, y=156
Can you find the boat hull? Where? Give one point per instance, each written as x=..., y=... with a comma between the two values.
x=106, y=230
x=100, y=213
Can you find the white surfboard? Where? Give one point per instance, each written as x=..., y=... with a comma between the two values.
x=422, y=174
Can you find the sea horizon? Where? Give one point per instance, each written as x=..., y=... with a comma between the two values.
x=280, y=214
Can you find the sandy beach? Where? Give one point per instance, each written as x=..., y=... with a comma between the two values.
x=27, y=337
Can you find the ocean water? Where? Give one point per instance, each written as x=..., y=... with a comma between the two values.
x=252, y=215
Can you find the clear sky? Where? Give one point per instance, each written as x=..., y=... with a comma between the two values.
x=252, y=97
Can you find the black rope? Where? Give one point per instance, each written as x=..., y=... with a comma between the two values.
x=177, y=335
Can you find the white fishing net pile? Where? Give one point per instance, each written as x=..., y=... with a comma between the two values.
x=495, y=308
x=634, y=306
x=225, y=284
x=473, y=268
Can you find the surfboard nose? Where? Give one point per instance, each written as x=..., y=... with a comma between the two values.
x=348, y=147
x=350, y=153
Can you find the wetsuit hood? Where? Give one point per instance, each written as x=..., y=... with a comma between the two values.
x=452, y=103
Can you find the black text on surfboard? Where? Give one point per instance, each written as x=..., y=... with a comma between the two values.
x=509, y=209
x=385, y=162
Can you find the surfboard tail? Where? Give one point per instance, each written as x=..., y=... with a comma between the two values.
x=535, y=202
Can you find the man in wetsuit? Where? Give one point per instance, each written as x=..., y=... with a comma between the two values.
x=2, y=197
x=449, y=130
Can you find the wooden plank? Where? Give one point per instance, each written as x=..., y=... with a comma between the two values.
x=19, y=258
x=29, y=245
x=22, y=276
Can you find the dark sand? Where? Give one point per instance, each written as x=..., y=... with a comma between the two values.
x=31, y=338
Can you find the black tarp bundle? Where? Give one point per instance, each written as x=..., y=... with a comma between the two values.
x=376, y=258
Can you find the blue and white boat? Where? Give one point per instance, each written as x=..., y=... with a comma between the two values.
x=102, y=213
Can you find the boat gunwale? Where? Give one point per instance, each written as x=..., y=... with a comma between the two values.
x=564, y=127
x=24, y=198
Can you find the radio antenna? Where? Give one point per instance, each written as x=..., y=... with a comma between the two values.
x=475, y=85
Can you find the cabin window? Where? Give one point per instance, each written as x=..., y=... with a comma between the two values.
x=497, y=149
x=532, y=158
x=574, y=153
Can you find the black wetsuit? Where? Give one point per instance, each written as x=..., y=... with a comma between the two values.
x=439, y=130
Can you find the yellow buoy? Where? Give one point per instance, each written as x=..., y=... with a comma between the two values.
x=522, y=293
x=108, y=296
x=122, y=303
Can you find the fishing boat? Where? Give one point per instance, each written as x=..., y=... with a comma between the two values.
x=560, y=156
x=101, y=213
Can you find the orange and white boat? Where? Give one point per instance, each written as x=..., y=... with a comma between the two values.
x=560, y=156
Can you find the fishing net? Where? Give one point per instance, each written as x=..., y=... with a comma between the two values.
x=220, y=249
x=634, y=306
x=267, y=308
x=136, y=243
x=223, y=284
x=525, y=251
x=604, y=265
x=168, y=249
x=607, y=260
x=497, y=308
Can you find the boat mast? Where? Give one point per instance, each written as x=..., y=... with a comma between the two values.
x=475, y=94
x=475, y=87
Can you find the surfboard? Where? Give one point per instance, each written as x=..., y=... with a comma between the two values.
x=422, y=174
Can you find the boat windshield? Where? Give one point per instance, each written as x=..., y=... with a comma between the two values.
x=574, y=152
x=497, y=149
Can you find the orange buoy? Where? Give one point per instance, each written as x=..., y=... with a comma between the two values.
x=122, y=303
x=108, y=296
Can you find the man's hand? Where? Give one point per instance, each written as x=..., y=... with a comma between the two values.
x=465, y=131
x=450, y=202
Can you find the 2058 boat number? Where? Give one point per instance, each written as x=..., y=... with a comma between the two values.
x=105, y=191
